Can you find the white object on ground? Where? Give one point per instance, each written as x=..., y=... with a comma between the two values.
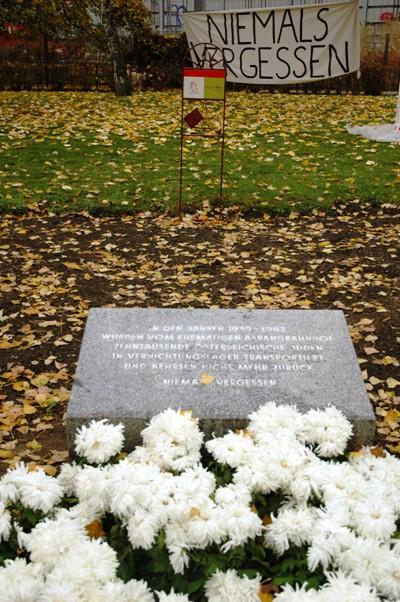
x=380, y=133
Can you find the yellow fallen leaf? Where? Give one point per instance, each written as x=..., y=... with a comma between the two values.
x=206, y=379
x=72, y=265
x=34, y=444
x=354, y=454
x=20, y=385
x=265, y=597
x=392, y=382
x=40, y=398
x=95, y=529
x=185, y=412
x=392, y=417
x=28, y=409
x=388, y=360
x=40, y=380
x=6, y=453
x=378, y=452
x=8, y=345
x=49, y=470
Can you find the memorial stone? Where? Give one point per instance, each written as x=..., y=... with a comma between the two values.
x=221, y=363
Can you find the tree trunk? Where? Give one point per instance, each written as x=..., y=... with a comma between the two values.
x=45, y=54
x=122, y=82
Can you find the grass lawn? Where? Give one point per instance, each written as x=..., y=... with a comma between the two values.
x=96, y=152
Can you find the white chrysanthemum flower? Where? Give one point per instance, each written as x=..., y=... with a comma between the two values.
x=290, y=526
x=382, y=474
x=60, y=592
x=142, y=529
x=141, y=455
x=193, y=487
x=225, y=587
x=328, y=429
x=307, y=480
x=99, y=441
x=172, y=597
x=206, y=525
x=135, y=486
x=344, y=588
x=67, y=477
x=388, y=582
x=364, y=560
x=175, y=439
x=50, y=540
x=271, y=419
x=364, y=462
x=234, y=449
x=38, y=491
x=340, y=482
x=9, y=483
x=298, y=593
x=241, y=524
x=131, y=591
x=284, y=461
x=20, y=581
x=330, y=536
x=5, y=523
x=178, y=557
x=256, y=476
x=168, y=423
x=92, y=489
x=20, y=535
x=175, y=457
x=272, y=467
x=374, y=518
x=85, y=512
x=232, y=494
x=89, y=564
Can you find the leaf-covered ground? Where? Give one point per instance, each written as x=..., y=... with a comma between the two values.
x=55, y=267
x=283, y=152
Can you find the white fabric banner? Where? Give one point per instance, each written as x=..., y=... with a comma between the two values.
x=282, y=45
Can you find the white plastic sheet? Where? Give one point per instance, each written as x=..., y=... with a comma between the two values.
x=380, y=133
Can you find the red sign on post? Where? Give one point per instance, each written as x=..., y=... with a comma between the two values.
x=204, y=80
x=204, y=84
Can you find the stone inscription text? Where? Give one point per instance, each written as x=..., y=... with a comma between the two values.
x=235, y=355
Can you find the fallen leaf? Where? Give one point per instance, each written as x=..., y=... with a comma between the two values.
x=34, y=445
x=95, y=529
x=370, y=350
x=206, y=379
x=378, y=452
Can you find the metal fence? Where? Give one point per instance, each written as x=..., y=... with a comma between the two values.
x=168, y=16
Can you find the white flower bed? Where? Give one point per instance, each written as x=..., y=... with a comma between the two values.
x=341, y=515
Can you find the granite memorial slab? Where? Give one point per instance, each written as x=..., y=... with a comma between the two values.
x=221, y=363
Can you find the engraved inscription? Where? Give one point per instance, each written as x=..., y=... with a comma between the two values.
x=177, y=354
